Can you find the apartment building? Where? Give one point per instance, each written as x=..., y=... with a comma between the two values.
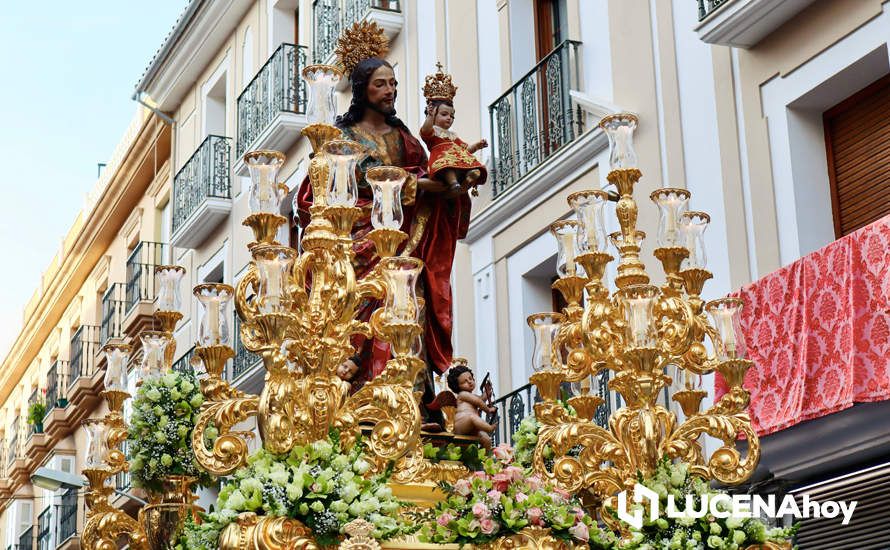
x=98, y=287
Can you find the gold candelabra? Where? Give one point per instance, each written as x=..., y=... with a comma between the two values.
x=162, y=519
x=639, y=332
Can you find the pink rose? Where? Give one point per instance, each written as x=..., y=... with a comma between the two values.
x=495, y=496
x=579, y=514
x=535, y=516
x=462, y=487
x=503, y=452
x=580, y=531
x=480, y=510
x=488, y=526
x=534, y=483
x=521, y=497
x=501, y=482
x=480, y=475
x=514, y=472
x=444, y=519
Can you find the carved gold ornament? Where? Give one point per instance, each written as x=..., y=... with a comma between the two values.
x=638, y=332
x=363, y=40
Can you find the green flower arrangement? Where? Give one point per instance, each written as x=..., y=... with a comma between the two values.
x=317, y=484
x=472, y=456
x=501, y=500
x=706, y=533
x=164, y=413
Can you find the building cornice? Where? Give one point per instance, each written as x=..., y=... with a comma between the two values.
x=123, y=192
x=192, y=44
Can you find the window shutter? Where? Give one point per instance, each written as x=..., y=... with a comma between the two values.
x=857, y=139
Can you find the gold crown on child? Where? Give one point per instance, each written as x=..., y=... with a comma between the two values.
x=439, y=86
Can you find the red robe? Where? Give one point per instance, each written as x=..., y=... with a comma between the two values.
x=448, y=220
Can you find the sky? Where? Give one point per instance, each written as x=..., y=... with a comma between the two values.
x=69, y=70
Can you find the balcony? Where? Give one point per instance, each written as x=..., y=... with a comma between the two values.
x=140, y=286
x=184, y=363
x=744, y=23
x=202, y=193
x=84, y=374
x=57, y=386
x=26, y=539
x=271, y=109
x=245, y=363
x=12, y=451
x=36, y=397
x=114, y=307
x=519, y=404
x=535, y=118
x=331, y=16
x=44, y=530
x=67, y=526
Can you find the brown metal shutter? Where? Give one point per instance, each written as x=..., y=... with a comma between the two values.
x=869, y=527
x=857, y=138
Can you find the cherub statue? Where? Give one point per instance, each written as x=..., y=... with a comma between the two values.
x=467, y=421
x=451, y=159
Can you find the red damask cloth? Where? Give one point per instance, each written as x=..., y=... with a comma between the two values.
x=818, y=331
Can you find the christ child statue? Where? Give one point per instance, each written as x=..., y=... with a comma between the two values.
x=451, y=159
x=466, y=419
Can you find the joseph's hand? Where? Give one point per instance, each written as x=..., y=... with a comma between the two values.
x=431, y=185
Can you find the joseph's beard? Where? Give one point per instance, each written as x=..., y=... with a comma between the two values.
x=383, y=110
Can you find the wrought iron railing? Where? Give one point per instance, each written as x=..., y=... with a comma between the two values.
x=13, y=450
x=26, y=539
x=519, y=403
x=205, y=175
x=84, y=347
x=535, y=117
x=276, y=87
x=331, y=16
x=57, y=386
x=122, y=479
x=184, y=363
x=67, y=516
x=244, y=358
x=141, y=272
x=114, y=307
x=44, y=529
x=707, y=7
x=35, y=397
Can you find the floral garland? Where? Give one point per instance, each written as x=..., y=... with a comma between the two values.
x=503, y=499
x=316, y=484
x=164, y=413
x=688, y=533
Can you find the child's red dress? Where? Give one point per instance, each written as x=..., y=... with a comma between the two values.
x=449, y=151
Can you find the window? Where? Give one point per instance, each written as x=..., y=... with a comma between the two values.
x=551, y=26
x=857, y=141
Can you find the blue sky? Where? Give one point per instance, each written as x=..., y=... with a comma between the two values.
x=69, y=71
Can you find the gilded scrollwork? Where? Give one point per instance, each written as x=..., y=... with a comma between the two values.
x=229, y=451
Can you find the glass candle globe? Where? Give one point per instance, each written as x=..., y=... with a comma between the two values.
x=672, y=203
x=167, y=278
x=566, y=232
x=274, y=266
x=400, y=277
x=117, y=358
x=265, y=192
x=154, y=344
x=619, y=128
x=588, y=207
x=214, y=326
x=97, y=446
x=639, y=303
x=417, y=346
x=343, y=156
x=322, y=81
x=692, y=230
x=589, y=385
x=726, y=316
x=544, y=327
x=386, y=183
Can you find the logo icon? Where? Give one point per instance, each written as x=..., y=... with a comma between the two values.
x=641, y=493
